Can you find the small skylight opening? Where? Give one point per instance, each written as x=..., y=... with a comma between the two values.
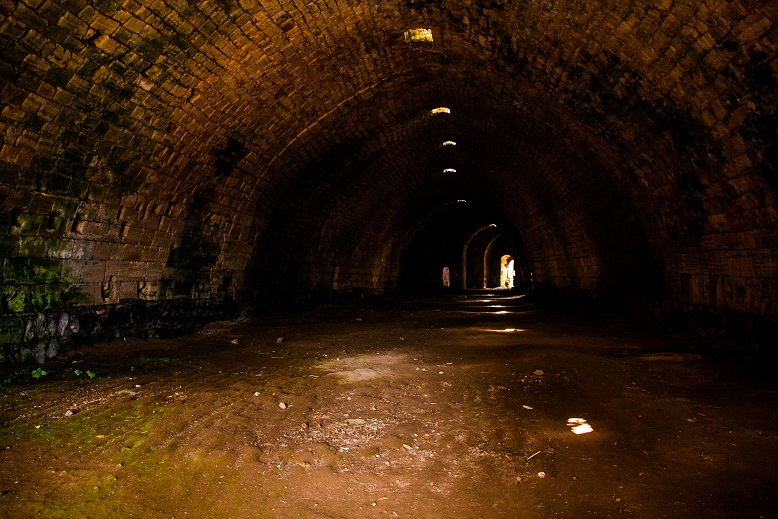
x=441, y=110
x=449, y=170
x=449, y=143
x=462, y=201
x=414, y=35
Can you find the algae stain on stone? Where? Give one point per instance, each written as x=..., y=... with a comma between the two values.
x=29, y=287
x=95, y=429
x=88, y=453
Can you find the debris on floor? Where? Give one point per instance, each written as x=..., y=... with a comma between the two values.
x=369, y=422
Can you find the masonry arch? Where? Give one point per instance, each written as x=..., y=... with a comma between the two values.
x=235, y=153
x=482, y=254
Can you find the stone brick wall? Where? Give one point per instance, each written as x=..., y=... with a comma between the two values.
x=184, y=150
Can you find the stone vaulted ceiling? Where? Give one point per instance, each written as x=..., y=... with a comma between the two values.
x=155, y=149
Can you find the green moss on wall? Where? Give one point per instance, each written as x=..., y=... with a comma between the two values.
x=37, y=284
x=11, y=330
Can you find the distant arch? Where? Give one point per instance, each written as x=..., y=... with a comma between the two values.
x=489, y=260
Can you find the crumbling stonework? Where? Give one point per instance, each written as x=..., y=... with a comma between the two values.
x=44, y=335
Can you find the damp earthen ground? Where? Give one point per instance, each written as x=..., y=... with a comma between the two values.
x=444, y=407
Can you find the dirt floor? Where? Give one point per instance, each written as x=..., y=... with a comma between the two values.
x=415, y=409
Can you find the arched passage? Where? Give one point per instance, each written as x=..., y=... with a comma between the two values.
x=482, y=254
x=457, y=237
x=220, y=155
x=502, y=272
x=166, y=163
x=474, y=256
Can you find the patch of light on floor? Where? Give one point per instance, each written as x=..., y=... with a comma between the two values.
x=579, y=426
x=485, y=312
x=494, y=299
x=505, y=330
